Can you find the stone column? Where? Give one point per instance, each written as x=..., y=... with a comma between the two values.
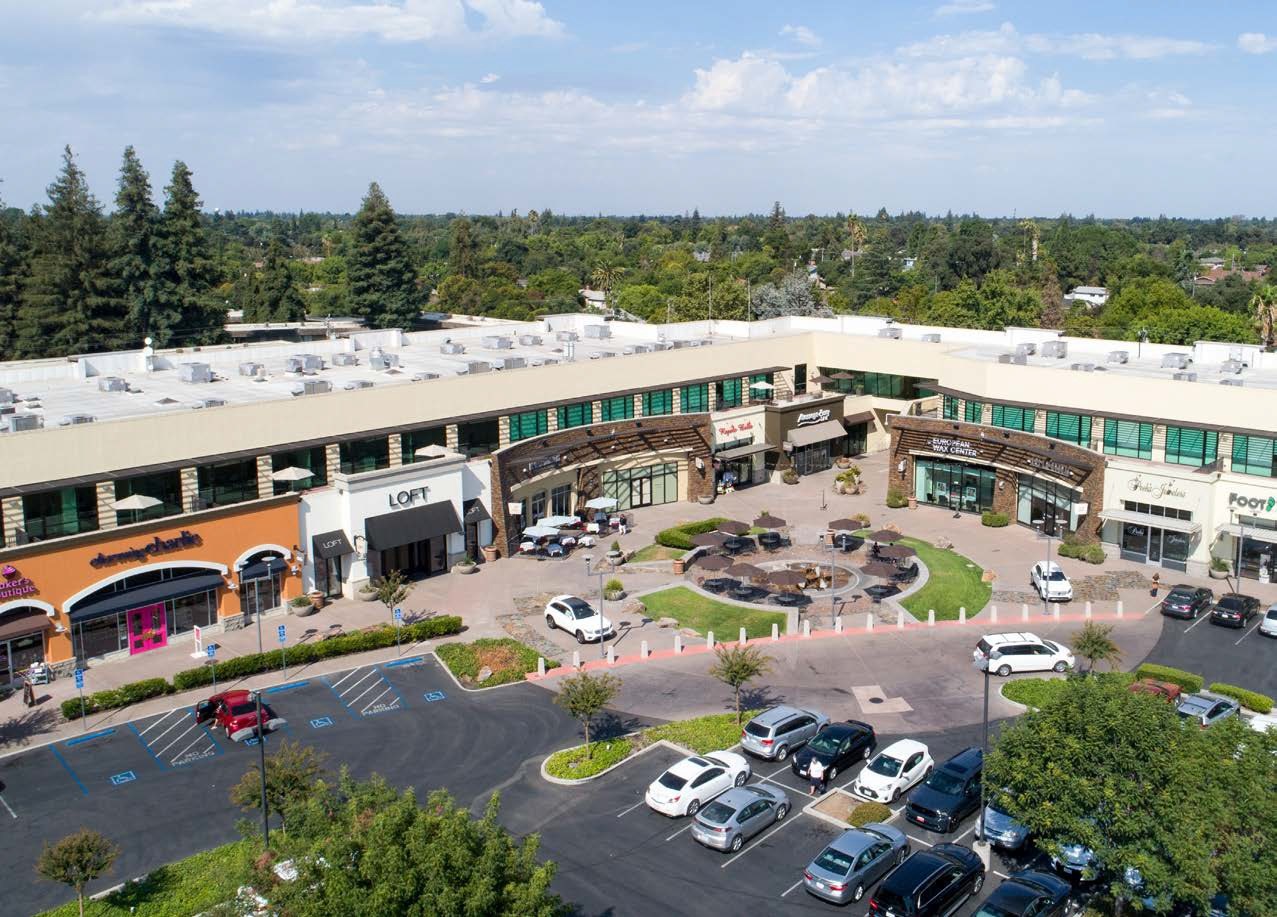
x=451, y=438
x=190, y=490
x=14, y=519
x=396, y=449
x=265, y=485
x=107, y=518
x=551, y=420
x=332, y=460
x=676, y=399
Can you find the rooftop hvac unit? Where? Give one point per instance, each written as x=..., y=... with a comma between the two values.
x=213, y=403
x=629, y=349
x=345, y=359
x=1235, y=353
x=452, y=348
x=1185, y=377
x=383, y=361
x=1057, y=350
x=74, y=419
x=1231, y=382
x=1027, y=349
x=565, y=336
x=1119, y=356
x=16, y=423
x=931, y=338
x=313, y=387
x=598, y=332
x=1176, y=361
x=477, y=366
x=196, y=373
x=644, y=348
x=8, y=408
x=6, y=396
x=252, y=369
x=602, y=354
x=529, y=340
x=892, y=333
x=1232, y=366
x=112, y=384
x=514, y=363
x=422, y=377
x=1083, y=367
x=1017, y=358
x=304, y=363
x=356, y=384
x=497, y=342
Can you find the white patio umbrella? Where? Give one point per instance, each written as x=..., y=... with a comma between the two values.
x=539, y=531
x=762, y=385
x=431, y=452
x=601, y=503
x=292, y=473
x=136, y=502
x=556, y=522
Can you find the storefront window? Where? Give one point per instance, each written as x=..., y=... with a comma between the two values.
x=191, y=611
x=1191, y=446
x=1254, y=455
x=575, y=415
x=1013, y=418
x=1128, y=437
x=528, y=424
x=973, y=412
x=883, y=385
x=968, y=488
x=479, y=437
x=227, y=482
x=658, y=403
x=17, y=655
x=1256, y=544
x=412, y=440
x=165, y=486
x=1047, y=504
x=695, y=398
x=800, y=378
x=769, y=378
x=538, y=507
x=619, y=408
x=361, y=455
x=1071, y=428
x=313, y=460
x=100, y=636
x=727, y=393
x=648, y=486
x=950, y=408
x=66, y=511
x=561, y=501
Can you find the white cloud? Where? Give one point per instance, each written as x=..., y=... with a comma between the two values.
x=1256, y=43
x=488, y=78
x=297, y=21
x=801, y=34
x=963, y=8
x=1088, y=46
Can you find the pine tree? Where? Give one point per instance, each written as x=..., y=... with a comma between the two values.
x=132, y=240
x=11, y=266
x=68, y=303
x=462, y=253
x=278, y=299
x=379, y=271
x=193, y=313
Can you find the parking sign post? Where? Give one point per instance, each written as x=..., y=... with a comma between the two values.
x=398, y=621
x=283, y=637
x=211, y=650
x=79, y=686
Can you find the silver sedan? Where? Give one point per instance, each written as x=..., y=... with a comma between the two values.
x=854, y=862
x=737, y=815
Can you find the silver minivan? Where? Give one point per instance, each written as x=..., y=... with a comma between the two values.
x=779, y=730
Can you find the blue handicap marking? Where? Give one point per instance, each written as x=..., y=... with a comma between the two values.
x=212, y=650
x=433, y=696
x=398, y=614
x=79, y=678
x=125, y=777
x=283, y=634
x=251, y=740
x=321, y=722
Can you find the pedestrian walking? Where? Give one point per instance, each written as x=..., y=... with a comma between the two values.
x=816, y=773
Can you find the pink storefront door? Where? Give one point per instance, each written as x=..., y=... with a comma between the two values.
x=148, y=628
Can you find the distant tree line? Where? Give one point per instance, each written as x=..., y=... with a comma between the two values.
x=73, y=278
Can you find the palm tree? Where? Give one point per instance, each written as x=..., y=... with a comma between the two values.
x=1033, y=234
x=605, y=277
x=1094, y=643
x=1264, y=305
x=856, y=229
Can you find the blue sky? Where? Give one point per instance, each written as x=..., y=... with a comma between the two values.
x=984, y=106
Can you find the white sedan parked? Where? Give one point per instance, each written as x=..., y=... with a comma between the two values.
x=577, y=617
x=694, y=781
x=1050, y=582
x=892, y=771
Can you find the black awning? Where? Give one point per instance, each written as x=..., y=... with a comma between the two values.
x=475, y=511
x=331, y=544
x=390, y=530
x=262, y=569
x=862, y=417
x=147, y=595
x=23, y=621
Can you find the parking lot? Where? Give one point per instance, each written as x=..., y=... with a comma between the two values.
x=1238, y=656
x=617, y=856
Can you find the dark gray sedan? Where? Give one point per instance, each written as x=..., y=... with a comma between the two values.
x=737, y=815
x=854, y=862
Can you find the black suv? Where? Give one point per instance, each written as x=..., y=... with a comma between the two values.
x=838, y=746
x=1234, y=609
x=930, y=882
x=1028, y=894
x=1187, y=602
x=950, y=794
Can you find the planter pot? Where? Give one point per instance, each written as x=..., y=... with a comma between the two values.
x=302, y=611
x=464, y=569
x=366, y=595
x=614, y=596
x=913, y=502
x=491, y=552
x=680, y=566
x=705, y=499
x=1218, y=574
x=615, y=557
x=317, y=599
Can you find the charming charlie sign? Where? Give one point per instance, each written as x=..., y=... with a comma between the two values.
x=156, y=546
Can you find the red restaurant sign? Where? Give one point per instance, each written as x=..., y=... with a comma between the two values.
x=733, y=428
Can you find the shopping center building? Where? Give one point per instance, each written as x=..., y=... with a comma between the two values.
x=130, y=481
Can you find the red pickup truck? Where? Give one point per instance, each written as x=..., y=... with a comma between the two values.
x=235, y=712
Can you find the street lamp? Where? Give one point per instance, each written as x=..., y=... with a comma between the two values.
x=1241, y=546
x=588, y=560
x=261, y=747
x=1046, y=592
x=833, y=600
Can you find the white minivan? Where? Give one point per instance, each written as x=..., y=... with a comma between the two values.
x=1008, y=653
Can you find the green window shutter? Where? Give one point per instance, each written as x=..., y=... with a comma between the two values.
x=575, y=415
x=619, y=408
x=973, y=411
x=695, y=398
x=1146, y=441
x=1053, y=425
x=527, y=424
x=658, y=403
x=999, y=415
x=950, y=407
x=1210, y=452
x=1084, y=436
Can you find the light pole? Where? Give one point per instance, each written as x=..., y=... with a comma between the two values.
x=833, y=601
x=1241, y=546
x=1046, y=589
x=982, y=665
x=588, y=560
x=261, y=747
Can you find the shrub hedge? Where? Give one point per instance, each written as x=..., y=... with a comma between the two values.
x=254, y=663
x=572, y=764
x=1090, y=553
x=995, y=520
x=867, y=813
x=1186, y=680
x=1251, y=700
x=680, y=536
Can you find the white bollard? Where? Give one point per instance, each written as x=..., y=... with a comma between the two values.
x=806, y=627
x=962, y=614
x=838, y=624
x=540, y=666
x=709, y=639
x=1087, y=611
x=1024, y=611
x=678, y=644
x=1119, y=608
x=775, y=632
x=744, y=637
x=900, y=620
x=576, y=659
x=993, y=614
x=869, y=620
x=931, y=617
x=1055, y=612
x=643, y=650
x=611, y=655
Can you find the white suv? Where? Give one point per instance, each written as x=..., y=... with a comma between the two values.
x=1007, y=653
x=1050, y=582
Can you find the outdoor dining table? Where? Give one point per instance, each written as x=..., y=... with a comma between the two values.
x=769, y=540
x=720, y=584
x=555, y=550
x=787, y=599
x=735, y=545
x=743, y=590
x=846, y=542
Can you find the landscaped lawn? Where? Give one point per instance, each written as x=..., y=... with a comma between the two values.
x=953, y=583
x=704, y=614
x=656, y=552
x=508, y=659
x=701, y=735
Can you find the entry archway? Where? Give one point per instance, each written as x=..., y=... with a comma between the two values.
x=24, y=626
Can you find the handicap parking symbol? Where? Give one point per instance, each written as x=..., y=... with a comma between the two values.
x=433, y=696
x=321, y=722
x=125, y=777
x=251, y=740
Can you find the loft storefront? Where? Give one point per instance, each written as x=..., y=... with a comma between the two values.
x=418, y=519
x=1158, y=515
x=140, y=587
x=971, y=469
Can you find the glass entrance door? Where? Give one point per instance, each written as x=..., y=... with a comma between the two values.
x=258, y=596
x=437, y=555
x=640, y=492
x=1155, y=546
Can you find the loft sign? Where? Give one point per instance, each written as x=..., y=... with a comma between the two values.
x=14, y=584
x=811, y=417
x=400, y=499
x=157, y=545
x=947, y=446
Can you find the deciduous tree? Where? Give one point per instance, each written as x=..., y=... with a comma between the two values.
x=77, y=860
x=1094, y=642
x=737, y=666
x=291, y=772
x=584, y=696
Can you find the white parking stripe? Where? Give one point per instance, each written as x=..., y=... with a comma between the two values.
x=791, y=888
x=160, y=720
x=788, y=821
x=962, y=835
x=920, y=840
x=678, y=832
x=788, y=789
x=1205, y=617
x=1001, y=874
x=187, y=748
x=349, y=674
x=356, y=698
x=632, y=808
x=160, y=753
x=377, y=698
x=156, y=740
x=6, y=807
x=1249, y=632
x=783, y=767
x=371, y=673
